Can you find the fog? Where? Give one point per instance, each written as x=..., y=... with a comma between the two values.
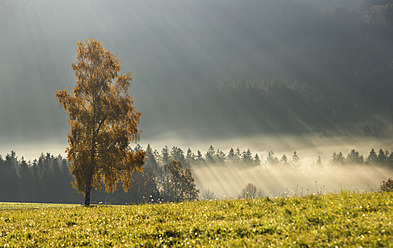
x=180, y=52
x=312, y=76
x=228, y=182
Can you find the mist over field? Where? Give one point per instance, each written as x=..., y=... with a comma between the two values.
x=226, y=182
x=308, y=178
x=311, y=76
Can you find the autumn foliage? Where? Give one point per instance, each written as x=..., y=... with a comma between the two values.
x=103, y=121
x=387, y=185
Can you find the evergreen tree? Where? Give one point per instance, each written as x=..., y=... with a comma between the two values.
x=231, y=155
x=382, y=157
x=199, y=158
x=165, y=157
x=295, y=160
x=390, y=159
x=177, y=154
x=271, y=159
x=354, y=157
x=220, y=157
x=190, y=157
x=257, y=160
x=372, y=157
x=11, y=190
x=151, y=161
x=234, y=156
x=210, y=158
x=284, y=160
x=247, y=158
x=25, y=181
x=338, y=159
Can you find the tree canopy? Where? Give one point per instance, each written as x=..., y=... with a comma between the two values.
x=103, y=121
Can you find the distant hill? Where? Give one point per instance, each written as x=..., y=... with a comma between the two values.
x=202, y=66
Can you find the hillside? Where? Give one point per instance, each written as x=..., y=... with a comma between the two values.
x=339, y=54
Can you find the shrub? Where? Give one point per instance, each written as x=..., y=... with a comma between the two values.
x=387, y=186
x=250, y=192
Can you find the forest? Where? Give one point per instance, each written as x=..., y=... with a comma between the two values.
x=284, y=67
x=167, y=175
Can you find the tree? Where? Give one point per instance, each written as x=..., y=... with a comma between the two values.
x=10, y=182
x=190, y=157
x=165, y=157
x=250, y=192
x=220, y=157
x=372, y=157
x=338, y=159
x=354, y=157
x=208, y=195
x=284, y=160
x=387, y=186
x=390, y=159
x=257, y=161
x=178, y=155
x=231, y=154
x=234, y=156
x=103, y=121
x=178, y=184
x=247, y=157
x=382, y=157
x=191, y=193
x=151, y=162
x=210, y=155
x=271, y=159
x=295, y=160
x=199, y=158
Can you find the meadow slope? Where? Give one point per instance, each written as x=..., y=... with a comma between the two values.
x=342, y=220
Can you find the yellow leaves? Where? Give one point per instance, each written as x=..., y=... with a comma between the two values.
x=102, y=118
x=63, y=97
x=124, y=82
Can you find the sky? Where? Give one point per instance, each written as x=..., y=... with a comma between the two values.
x=178, y=52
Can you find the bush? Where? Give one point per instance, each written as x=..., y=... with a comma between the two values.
x=387, y=186
x=251, y=192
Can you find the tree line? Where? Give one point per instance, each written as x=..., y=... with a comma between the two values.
x=382, y=158
x=246, y=158
x=280, y=106
x=166, y=176
x=48, y=179
x=193, y=159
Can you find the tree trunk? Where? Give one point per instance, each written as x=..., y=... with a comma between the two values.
x=87, y=198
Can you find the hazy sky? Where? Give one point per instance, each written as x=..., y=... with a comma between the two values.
x=178, y=51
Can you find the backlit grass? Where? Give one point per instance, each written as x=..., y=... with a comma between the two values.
x=25, y=206
x=330, y=220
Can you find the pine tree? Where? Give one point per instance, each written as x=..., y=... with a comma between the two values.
x=354, y=157
x=257, y=160
x=372, y=157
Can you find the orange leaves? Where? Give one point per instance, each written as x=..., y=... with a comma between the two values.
x=123, y=82
x=103, y=119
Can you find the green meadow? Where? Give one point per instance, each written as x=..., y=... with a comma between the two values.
x=342, y=220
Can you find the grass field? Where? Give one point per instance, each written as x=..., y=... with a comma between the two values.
x=341, y=220
x=26, y=206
